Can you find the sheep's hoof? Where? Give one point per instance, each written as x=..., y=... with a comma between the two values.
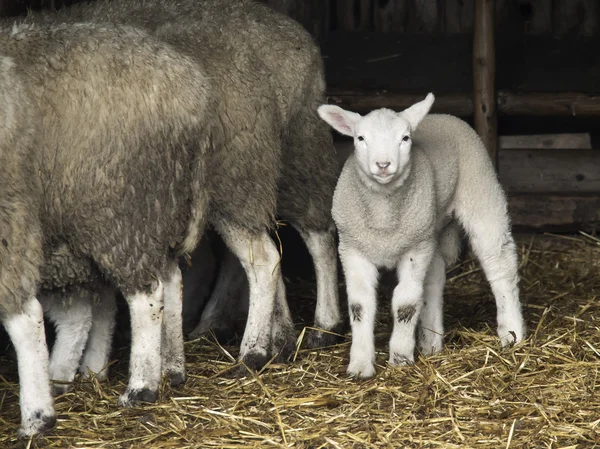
x=176, y=378
x=38, y=423
x=321, y=339
x=133, y=397
x=60, y=388
x=397, y=359
x=253, y=360
x=361, y=372
x=283, y=344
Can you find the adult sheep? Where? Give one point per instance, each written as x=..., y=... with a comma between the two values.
x=115, y=171
x=252, y=52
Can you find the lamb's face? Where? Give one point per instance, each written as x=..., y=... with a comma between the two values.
x=382, y=139
x=382, y=145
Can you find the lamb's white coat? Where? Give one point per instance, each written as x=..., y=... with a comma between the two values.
x=399, y=200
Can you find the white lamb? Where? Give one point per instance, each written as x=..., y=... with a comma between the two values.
x=398, y=204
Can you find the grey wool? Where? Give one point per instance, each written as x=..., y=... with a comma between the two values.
x=269, y=153
x=413, y=182
x=113, y=172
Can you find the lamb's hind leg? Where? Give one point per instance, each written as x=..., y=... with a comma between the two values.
x=488, y=229
x=72, y=317
x=26, y=331
x=431, y=319
x=321, y=245
x=260, y=259
x=97, y=351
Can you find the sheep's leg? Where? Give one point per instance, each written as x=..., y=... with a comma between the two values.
x=224, y=299
x=173, y=357
x=26, y=331
x=260, y=259
x=146, y=310
x=431, y=319
x=321, y=245
x=493, y=244
x=72, y=317
x=361, y=282
x=97, y=351
x=283, y=334
x=407, y=302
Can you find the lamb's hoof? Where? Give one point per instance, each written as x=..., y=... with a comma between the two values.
x=177, y=379
x=60, y=388
x=134, y=397
x=39, y=423
x=397, y=359
x=253, y=360
x=321, y=339
x=361, y=370
x=511, y=337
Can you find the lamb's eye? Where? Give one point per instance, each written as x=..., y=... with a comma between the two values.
x=405, y=138
x=360, y=138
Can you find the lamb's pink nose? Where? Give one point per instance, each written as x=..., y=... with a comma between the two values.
x=382, y=165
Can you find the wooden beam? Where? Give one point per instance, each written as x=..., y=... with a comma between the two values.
x=549, y=104
x=509, y=103
x=554, y=212
x=484, y=74
x=571, y=141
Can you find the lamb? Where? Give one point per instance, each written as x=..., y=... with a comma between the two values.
x=266, y=103
x=101, y=153
x=399, y=202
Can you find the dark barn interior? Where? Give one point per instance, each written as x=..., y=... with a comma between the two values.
x=526, y=75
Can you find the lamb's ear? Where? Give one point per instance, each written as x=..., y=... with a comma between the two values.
x=418, y=111
x=341, y=120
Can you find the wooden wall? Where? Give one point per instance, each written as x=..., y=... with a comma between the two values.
x=536, y=17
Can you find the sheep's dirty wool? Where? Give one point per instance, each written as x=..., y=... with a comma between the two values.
x=540, y=393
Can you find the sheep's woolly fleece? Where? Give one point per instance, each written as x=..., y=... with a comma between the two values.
x=540, y=394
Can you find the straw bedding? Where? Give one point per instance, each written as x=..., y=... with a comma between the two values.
x=540, y=394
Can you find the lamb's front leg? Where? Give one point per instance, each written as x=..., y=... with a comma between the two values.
x=361, y=283
x=408, y=301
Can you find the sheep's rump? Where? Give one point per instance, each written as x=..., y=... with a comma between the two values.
x=120, y=115
x=268, y=78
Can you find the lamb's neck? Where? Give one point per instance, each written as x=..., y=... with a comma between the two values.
x=384, y=205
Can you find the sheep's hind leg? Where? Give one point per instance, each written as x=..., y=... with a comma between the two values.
x=260, y=259
x=173, y=357
x=227, y=300
x=431, y=318
x=283, y=334
x=97, y=351
x=72, y=317
x=146, y=310
x=26, y=331
x=322, y=248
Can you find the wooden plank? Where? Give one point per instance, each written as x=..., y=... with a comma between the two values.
x=576, y=17
x=484, y=74
x=549, y=171
x=459, y=16
x=549, y=104
x=390, y=15
x=554, y=212
x=537, y=15
x=509, y=103
x=354, y=15
x=575, y=141
x=365, y=101
x=424, y=17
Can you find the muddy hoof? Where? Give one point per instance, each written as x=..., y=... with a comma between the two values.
x=39, y=423
x=176, y=379
x=134, y=397
x=320, y=339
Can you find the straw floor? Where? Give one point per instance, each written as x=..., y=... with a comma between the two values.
x=540, y=394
